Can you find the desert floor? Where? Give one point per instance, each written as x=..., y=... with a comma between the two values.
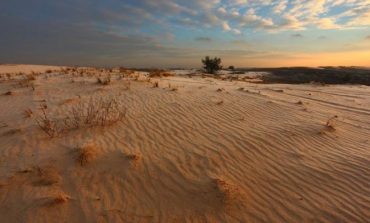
x=192, y=149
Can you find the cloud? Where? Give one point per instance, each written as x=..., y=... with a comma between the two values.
x=112, y=32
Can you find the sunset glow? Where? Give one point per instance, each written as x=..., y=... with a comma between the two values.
x=173, y=33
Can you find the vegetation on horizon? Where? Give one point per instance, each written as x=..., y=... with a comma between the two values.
x=212, y=65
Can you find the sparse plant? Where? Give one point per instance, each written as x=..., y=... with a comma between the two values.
x=159, y=73
x=59, y=199
x=28, y=113
x=211, y=65
x=86, y=153
x=27, y=81
x=104, y=81
x=9, y=93
x=134, y=157
x=155, y=84
x=100, y=112
x=51, y=127
x=220, y=102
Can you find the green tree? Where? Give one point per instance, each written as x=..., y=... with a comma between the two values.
x=211, y=65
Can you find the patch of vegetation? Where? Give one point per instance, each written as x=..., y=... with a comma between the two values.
x=323, y=75
x=95, y=112
x=212, y=65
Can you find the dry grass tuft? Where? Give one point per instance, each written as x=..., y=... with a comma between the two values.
x=134, y=157
x=159, y=73
x=59, y=199
x=86, y=153
x=27, y=81
x=156, y=84
x=228, y=193
x=9, y=93
x=173, y=88
x=104, y=81
x=95, y=112
x=28, y=113
x=220, y=102
x=50, y=126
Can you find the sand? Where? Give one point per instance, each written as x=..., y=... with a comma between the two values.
x=26, y=69
x=192, y=150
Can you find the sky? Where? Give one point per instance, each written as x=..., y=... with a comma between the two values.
x=174, y=33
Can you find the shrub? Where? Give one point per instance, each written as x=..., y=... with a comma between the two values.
x=211, y=65
x=86, y=153
x=100, y=112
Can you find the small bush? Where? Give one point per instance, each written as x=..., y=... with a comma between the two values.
x=86, y=153
x=211, y=65
x=100, y=112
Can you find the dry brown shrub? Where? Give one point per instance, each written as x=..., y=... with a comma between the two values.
x=86, y=153
x=95, y=112
x=133, y=157
x=227, y=193
x=9, y=93
x=159, y=73
x=27, y=81
x=155, y=84
x=220, y=102
x=28, y=113
x=58, y=199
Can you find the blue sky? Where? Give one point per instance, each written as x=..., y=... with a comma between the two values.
x=173, y=33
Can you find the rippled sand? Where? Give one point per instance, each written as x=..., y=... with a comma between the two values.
x=210, y=151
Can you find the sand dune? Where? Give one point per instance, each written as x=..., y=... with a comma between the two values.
x=245, y=153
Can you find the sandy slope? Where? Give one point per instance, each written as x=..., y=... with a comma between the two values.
x=244, y=153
